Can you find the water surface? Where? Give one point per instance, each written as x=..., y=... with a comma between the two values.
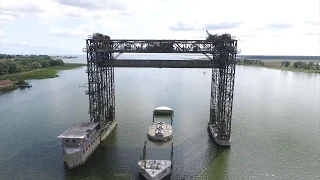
x=275, y=126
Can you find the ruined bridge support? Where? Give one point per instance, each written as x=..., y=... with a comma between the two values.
x=101, y=61
x=221, y=101
x=101, y=88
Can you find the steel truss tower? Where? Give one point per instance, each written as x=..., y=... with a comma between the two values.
x=101, y=87
x=222, y=87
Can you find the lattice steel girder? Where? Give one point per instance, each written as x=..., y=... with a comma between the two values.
x=164, y=46
x=162, y=63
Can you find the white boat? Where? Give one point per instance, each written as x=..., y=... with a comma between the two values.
x=81, y=140
x=155, y=169
x=163, y=110
x=160, y=132
x=222, y=141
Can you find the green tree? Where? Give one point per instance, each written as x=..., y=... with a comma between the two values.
x=317, y=65
x=45, y=64
x=36, y=65
x=286, y=63
x=304, y=65
x=57, y=62
x=310, y=64
x=297, y=64
x=4, y=68
x=14, y=68
x=6, y=56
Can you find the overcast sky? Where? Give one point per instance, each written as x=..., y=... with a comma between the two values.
x=263, y=27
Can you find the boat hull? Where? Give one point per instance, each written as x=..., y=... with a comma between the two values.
x=83, y=161
x=106, y=132
x=79, y=157
x=157, y=138
x=151, y=172
x=81, y=154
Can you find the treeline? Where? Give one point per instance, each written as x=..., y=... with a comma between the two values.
x=10, y=64
x=252, y=62
x=304, y=65
x=274, y=63
x=9, y=56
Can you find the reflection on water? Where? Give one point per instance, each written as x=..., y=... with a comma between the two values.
x=275, y=131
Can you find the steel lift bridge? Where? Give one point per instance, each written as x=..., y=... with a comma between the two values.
x=102, y=53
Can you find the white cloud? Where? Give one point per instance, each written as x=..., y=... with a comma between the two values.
x=11, y=6
x=80, y=31
x=11, y=10
x=259, y=24
x=56, y=11
x=68, y=32
x=53, y=11
x=93, y=4
x=4, y=18
x=86, y=29
x=26, y=44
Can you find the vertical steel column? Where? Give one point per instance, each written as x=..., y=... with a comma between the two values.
x=100, y=81
x=222, y=87
x=93, y=81
x=215, y=81
x=110, y=90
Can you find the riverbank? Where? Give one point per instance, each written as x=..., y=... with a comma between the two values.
x=10, y=88
x=43, y=73
x=280, y=65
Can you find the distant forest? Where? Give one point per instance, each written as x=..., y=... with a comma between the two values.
x=10, y=64
x=260, y=57
x=287, y=64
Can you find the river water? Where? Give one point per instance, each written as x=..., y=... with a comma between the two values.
x=275, y=125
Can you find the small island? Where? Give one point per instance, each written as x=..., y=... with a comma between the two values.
x=18, y=68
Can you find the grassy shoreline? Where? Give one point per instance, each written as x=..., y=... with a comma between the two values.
x=284, y=68
x=276, y=64
x=10, y=88
x=43, y=73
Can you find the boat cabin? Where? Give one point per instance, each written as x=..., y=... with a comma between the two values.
x=78, y=134
x=79, y=142
x=163, y=110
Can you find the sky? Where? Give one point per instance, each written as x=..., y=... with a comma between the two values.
x=264, y=27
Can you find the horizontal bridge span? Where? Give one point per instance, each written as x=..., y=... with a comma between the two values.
x=162, y=63
x=163, y=40
x=220, y=46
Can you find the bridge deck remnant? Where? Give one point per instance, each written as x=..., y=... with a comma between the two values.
x=161, y=63
x=220, y=49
